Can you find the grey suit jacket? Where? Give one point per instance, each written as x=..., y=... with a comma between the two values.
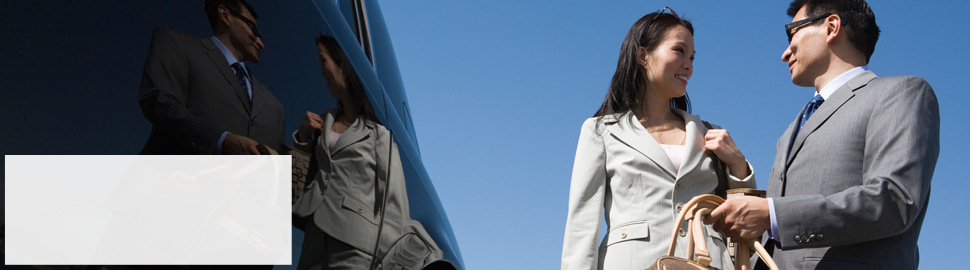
x=853, y=190
x=344, y=199
x=191, y=96
x=621, y=172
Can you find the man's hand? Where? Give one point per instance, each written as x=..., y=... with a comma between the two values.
x=744, y=217
x=239, y=145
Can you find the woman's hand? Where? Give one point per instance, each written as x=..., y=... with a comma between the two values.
x=311, y=122
x=720, y=142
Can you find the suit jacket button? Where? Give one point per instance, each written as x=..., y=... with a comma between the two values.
x=326, y=177
x=805, y=239
x=679, y=207
x=359, y=210
x=623, y=235
x=681, y=232
x=819, y=238
x=798, y=239
x=252, y=123
x=677, y=186
x=811, y=238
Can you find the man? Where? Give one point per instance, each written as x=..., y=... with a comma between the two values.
x=851, y=179
x=201, y=97
x=199, y=94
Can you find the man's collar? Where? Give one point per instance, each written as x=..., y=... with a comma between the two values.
x=836, y=83
x=225, y=52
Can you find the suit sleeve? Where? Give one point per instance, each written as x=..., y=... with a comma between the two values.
x=901, y=149
x=163, y=95
x=587, y=192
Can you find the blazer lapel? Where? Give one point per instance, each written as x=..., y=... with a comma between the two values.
x=842, y=95
x=693, y=142
x=219, y=61
x=259, y=96
x=637, y=138
x=323, y=143
x=357, y=132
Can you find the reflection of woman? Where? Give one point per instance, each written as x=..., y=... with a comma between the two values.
x=340, y=211
x=642, y=156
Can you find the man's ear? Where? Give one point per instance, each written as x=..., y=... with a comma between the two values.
x=833, y=25
x=223, y=14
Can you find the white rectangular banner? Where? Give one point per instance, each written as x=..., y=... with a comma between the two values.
x=147, y=210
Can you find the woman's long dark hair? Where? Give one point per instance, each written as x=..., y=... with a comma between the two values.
x=628, y=79
x=354, y=85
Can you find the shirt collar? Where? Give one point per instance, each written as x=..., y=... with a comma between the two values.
x=836, y=83
x=225, y=52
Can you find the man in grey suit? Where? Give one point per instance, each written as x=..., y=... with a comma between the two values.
x=198, y=93
x=851, y=179
x=202, y=99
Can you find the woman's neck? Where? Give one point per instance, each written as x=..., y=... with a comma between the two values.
x=655, y=109
x=348, y=113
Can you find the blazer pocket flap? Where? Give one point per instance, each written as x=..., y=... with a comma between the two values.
x=352, y=204
x=629, y=231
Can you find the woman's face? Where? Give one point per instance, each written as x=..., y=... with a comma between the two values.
x=336, y=82
x=671, y=64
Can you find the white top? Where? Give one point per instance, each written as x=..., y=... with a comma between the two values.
x=676, y=154
x=333, y=140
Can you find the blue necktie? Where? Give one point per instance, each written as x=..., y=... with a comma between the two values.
x=241, y=75
x=812, y=106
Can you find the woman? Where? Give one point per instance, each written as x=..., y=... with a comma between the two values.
x=643, y=155
x=341, y=209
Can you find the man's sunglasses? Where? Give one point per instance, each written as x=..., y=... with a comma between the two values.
x=791, y=26
x=252, y=25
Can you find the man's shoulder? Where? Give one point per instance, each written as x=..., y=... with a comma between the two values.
x=900, y=80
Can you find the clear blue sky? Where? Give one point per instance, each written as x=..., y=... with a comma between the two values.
x=499, y=89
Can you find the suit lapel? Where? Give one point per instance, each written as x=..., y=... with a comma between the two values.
x=323, y=143
x=259, y=96
x=829, y=107
x=693, y=142
x=219, y=61
x=357, y=132
x=637, y=138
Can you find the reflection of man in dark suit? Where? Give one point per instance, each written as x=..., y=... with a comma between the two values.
x=201, y=97
x=199, y=94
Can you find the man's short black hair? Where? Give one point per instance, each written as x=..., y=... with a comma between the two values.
x=857, y=17
x=212, y=9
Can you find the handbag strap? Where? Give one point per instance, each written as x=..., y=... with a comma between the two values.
x=722, y=185
x=694, y=212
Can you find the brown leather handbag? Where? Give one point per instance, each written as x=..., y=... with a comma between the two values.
x=698, y=258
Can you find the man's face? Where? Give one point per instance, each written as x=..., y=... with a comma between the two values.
x=241, y=35
x=807, y=53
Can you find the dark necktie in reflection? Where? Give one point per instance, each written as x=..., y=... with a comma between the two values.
x=241, y=76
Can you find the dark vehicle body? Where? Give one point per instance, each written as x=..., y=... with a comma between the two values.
x=72, y=71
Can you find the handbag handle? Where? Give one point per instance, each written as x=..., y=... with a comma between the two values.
x=693, y=212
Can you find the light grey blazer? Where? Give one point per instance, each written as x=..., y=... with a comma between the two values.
x=853, y=191
x=620, y=170
x=344, y=201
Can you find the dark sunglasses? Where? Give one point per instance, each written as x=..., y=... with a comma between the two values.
x=252, y=25
x=789, y=27
x=666, y=8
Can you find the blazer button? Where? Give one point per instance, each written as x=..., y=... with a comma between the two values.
x=679, y=207
x=359, y=210
x=798, y=239
x=818, y=238
x=681, y=232
x=805, y=239
x=811, y=238
x=677, y=186
x=623, y=235
x=326, y=177
x=252, y=123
